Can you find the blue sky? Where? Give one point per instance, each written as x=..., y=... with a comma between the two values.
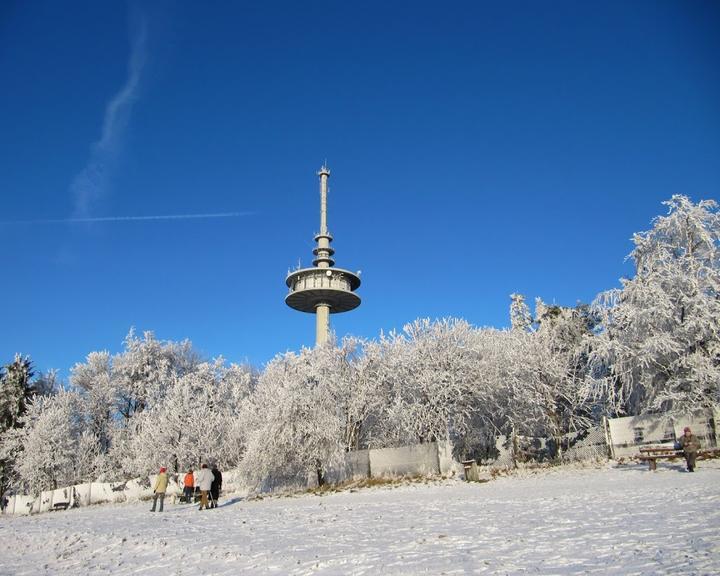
x=476, y=148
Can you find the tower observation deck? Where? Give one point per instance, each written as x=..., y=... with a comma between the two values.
x=323, y=289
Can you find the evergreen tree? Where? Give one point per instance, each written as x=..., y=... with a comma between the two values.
x=16, y=389
x=520, y=317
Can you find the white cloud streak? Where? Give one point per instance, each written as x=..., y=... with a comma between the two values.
x=90, y=185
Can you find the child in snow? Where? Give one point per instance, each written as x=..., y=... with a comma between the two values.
x=690, y=445
x=204, y=480
x=189, y=486
x=160, y=487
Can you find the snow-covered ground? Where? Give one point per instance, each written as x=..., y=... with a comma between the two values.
x=612, y=520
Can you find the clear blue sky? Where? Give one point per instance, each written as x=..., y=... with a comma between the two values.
x=477, y=149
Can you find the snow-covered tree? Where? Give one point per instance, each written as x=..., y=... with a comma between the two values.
x=236, y=383
x=660, y=344
x=295, y=426
x=359, y=389
x=94, y=380
x=552, y=370
x=147, y=368
x=199, y=420
x=47, y=383
x=427, y=375
x=520, y=316
x=50, y=442
x=15, y=391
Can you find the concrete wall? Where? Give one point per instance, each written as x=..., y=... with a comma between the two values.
x=19, y=504
x=448, y=465
x=419, y=459
x=405, y=461
x=355, y=466
x=83, y=495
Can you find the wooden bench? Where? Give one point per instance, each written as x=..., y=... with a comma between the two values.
x=651, y=454
x=61, y=505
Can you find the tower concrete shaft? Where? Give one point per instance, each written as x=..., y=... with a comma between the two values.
x=322, y=323
x=323, y=289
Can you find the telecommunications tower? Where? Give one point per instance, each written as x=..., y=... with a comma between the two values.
x=323, y=289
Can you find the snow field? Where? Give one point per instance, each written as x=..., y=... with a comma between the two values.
x=612, y=520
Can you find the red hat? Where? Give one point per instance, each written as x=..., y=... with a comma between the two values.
x=687, y=429
x=163, y=469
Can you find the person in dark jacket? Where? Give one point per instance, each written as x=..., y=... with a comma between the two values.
x=216, y=486
x=690, y=445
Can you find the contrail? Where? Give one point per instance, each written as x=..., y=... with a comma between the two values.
x=92, y=184
x=130, y=218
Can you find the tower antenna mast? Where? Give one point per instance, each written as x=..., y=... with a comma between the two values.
x=323, y=289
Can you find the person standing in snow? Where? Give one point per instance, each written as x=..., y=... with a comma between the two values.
x=690, y=445
x=204, y=480
x=216, y=486
x=160, y=487
x=189, y=486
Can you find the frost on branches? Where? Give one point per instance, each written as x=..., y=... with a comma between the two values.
x=124, y=416
x=651, y=345
x=660, y=348
x=295, y=423
x=51, y=441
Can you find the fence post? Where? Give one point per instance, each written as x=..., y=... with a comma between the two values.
x=608, y=439
x=558, y=443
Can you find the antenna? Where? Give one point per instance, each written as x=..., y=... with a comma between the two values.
x=323, y=290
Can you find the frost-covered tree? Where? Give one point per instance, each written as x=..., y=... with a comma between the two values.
x=295, y=426
x=50, y=443
x=660, y=344
x=195, y=423
x=551, y=371
x=427, y=375
x=145, y=370
x=520, y=316
x=16, y=389
x=236, y=383
x=94, y=380
x=359, y=389
x=47, y=383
